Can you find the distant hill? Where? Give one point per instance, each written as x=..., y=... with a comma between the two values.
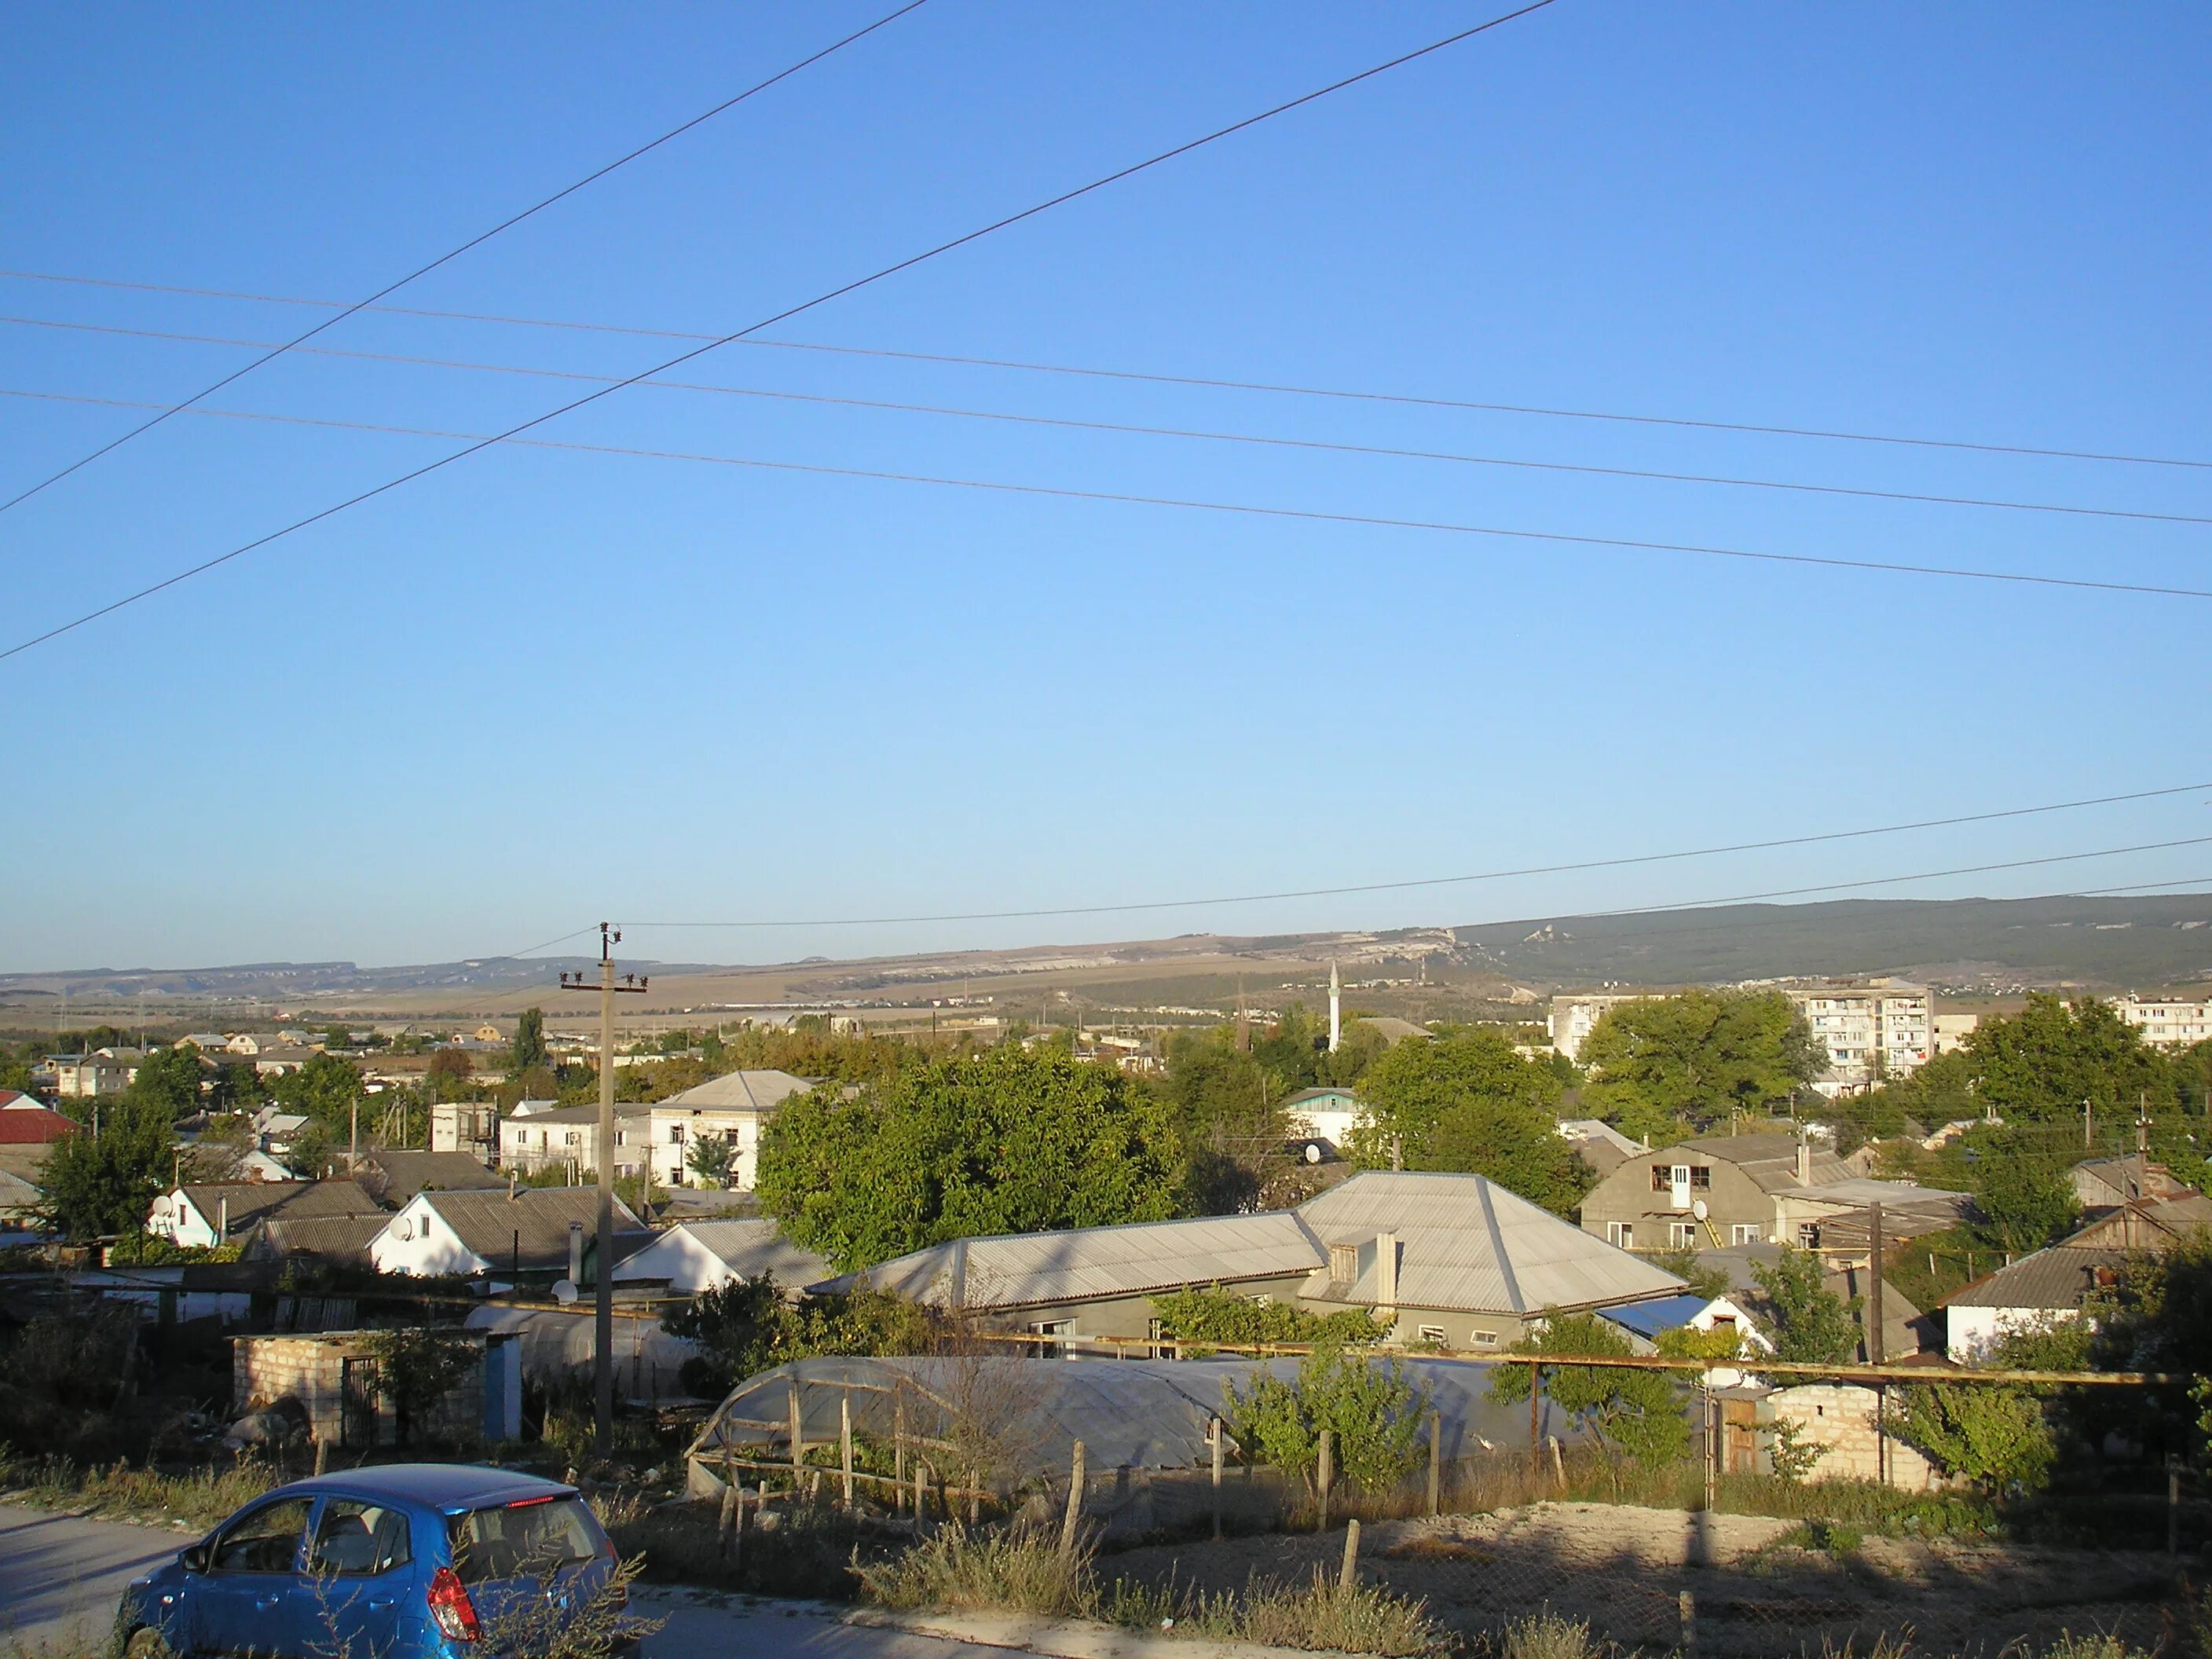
x=1994, y=945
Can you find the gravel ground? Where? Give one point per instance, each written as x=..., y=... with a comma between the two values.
x=1623, y=1569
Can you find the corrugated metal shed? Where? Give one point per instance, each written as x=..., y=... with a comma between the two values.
x=1018, y=1270
x=1129, y=1414
x=1467, y=1243
x=2060, y=1277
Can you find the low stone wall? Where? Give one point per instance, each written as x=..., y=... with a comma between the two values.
x=1842, y=1420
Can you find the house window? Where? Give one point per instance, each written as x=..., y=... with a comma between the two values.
x=1681, y=1235
x=1482, y=1339
x=676, y=1134
x=1344, y=1263
x=1746, y=1232
x=1659, y=1182
x=1808, y=1236
x=1053, y=1328
x=1701, y=1175
x=1622, y=1234
x=570, y=1139
x=1433, y=1335
x=1263, y=1300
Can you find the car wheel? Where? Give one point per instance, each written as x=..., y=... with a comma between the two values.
x=147, y=1643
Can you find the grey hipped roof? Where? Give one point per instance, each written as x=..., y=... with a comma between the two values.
x=741, y=1091
x=2060, y=1277
x=1771, y=1160
x=750, y=1249
x=486, y=1223
x=1081, y=1264
x=1466, y=1243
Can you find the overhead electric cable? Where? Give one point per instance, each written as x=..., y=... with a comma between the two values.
x=1118, y=497
x=1204, y=382
x=1126, y=428
x=789, y=312
x=1575, y=867
x=446, y=258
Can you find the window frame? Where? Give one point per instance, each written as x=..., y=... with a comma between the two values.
x=232, y=1528
x=331, y=1506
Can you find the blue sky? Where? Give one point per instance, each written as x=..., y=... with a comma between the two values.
x=403, y=735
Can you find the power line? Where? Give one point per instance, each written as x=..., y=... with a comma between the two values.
x=446, y=258
x=1576, y=867
x=856, y=284
x=1125, y=428
x=1059, y=492
x=1204, y=382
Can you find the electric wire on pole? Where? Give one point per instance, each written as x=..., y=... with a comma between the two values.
x=603, y=1276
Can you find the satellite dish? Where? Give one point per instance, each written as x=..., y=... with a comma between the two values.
x=1313, y=1151
x=564, y=1292
x=402, y=1229
x=1698, y=1209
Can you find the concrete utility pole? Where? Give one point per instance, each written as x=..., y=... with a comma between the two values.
x=1875, y=1311
x=603, y=1324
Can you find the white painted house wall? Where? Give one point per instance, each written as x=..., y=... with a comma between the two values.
x=174, y=1217
x=417, y=1241
x=1969, y=1333
x=688, y=1266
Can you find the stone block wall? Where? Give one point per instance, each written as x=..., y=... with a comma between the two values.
x=1842, y=1420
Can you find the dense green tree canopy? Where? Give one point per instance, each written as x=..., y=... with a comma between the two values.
x=1227, y=1111
x=1466, y=1103
x=1812, y=1324
x=326, y=1089
x=529, y=1049
x=1661, y=1064
x=168, y=1080
x=1014, y=1140
x=99, y=1186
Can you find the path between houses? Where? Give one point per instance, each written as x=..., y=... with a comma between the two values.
x=61, y=1576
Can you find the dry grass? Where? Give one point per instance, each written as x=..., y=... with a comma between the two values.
x=1017, y=1570
x=198, y=1496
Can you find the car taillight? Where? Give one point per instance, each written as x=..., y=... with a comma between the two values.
x=451, y=1607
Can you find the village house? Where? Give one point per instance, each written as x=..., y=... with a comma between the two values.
x=205, y=1214
x=735, y=1106
x=1445, y=1260
x=521, y=1232
x=86, y=1076
x=2105, y=1184
x=2033, y=1294
x=566, y=1137
x=704, y=1255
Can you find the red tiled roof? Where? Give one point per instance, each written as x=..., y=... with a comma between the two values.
x=33, y=1126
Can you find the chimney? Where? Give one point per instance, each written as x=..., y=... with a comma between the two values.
x=1804, y=1163
x=512, y=1180
x=576, y=1253
x=222, y=1218
x=1386, y=1273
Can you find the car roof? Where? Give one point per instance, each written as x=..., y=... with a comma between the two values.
x=435, y=1485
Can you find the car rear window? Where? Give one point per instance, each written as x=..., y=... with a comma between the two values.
x=533, y=1537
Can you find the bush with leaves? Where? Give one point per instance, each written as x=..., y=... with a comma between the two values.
x=1642, y=1412
x=750, y=1325
x=1216, y=1315
x=1373, y=1416
x=1813, y=1326
x=417, y=1366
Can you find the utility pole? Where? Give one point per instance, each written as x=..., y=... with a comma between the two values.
x=1874, y=1310
x=2085, y=1125
x=603, y=1331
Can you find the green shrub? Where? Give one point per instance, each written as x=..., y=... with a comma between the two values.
x=1372, y=1413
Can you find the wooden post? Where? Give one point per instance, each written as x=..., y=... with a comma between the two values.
x=1074, y=1516
x=322, y=1454
x=1558, y=1464
x=1685, y=1609
x=1349, y=1576
x=1327, y=1474
x=2172, y=1505
x=920, y=1493
x=1213, y=1433
x=845, y=1446
x=1436, y=1464
x=1535, y=1421
x=738, y=1530
x=1712, y=1449
x=725, y=1518
x=797, y=1445
x=975, y=1497
x=898, y=1453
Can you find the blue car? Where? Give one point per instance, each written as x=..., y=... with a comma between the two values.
x=404, y=1561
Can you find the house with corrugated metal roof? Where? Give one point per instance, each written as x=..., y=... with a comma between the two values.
x=2033, y=1294
x=706, y=1255
x=1452, y=1260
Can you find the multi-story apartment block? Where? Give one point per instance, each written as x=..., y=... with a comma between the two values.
x=2166, y=1022
x=1871, y=1029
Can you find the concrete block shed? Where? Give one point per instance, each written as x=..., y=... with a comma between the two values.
x=334, y=1376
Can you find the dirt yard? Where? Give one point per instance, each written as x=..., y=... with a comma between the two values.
x=1625, y=1569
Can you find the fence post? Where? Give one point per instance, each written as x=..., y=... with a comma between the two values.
x=1712, y=1413
x=322, y=1453
x=1074, y=1516
x=2172, y=1505
x=898, y=1453
x=1349, y=1577
x=845, y=1446
x=920, y=1493
x=726, y=1518
x=1213, y=1433
x=1686, y=1608
x=1558, y=1463
x=737, y=1532
x=1327, y=1474
x=1436, y=1464
x=1535, y=1423
x=797, y=1445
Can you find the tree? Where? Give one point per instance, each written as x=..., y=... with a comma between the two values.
x=1372, y=1413
x=326, y=1089
x=2043, y=1062
x=417, y=1367
x=529, y=1049
x=1227, y=1111
x=1660, y=1062
x=168, y=1081
x=449, y=1073
x=1014, y=1140
x=221, y=1147
x=1469, y=1104
x=1213, y=1315
x=750, y=1325
x=1703, y=1280
x=711, y=1158
x=337, y=1038
x=2023, y=1199
x=99, y=1186
x=1813, y=1325
x=1640, y=1412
